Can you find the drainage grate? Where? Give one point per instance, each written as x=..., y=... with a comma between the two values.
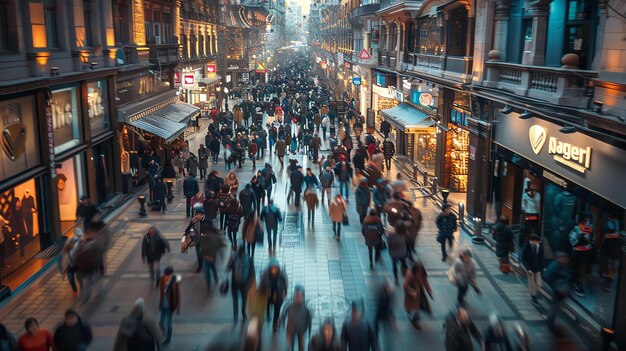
x=292, y=230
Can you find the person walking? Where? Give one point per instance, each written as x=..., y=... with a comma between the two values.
x=215, y=149
x=160, y=192
x=344, y=173
x=211, y=243
x=73, y=334
x=446, y=226
x=416, y=286
x=203, y=160
x=533, y=261
x=504, y=243
x=280, y=149
x=389, y=151
x=464, y=271
x=86, y=211
x=326, y=338
x=169, y=301
x=235, y=213
x=138, y=331
x=275, y=279
x=153, y=247
x=312, y=202
x=232, y=182
x=373, y=231
x=247, y=199
x=380, y=196
x=356, y=332
x=316, y=144
x=327, y=178
x=496, y=337
x=363, y=195
x=559, y=274
x=250, y=231
x=190, y=189
x=253, y=149
x=337, y=211
x=270, y=179
x=298, y=318
x=179, y=163
x=397, y=247
x=460, y=330
x=241, y=267
x=68, y=259
x=223, y=200
x=296, y=179
x=271, y=217
x=258, y=297
x=35, y=338
x=7, y=339
x=258, y=187
x=310, y=180
x=192, y=165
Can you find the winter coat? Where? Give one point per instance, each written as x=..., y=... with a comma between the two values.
x=297, y=180
x=337, y=209
x=416, y=222
x=415, y=289
x=234, y=209
x=533, y=259
x=247, y=199
x=210, y=207
x=271, y=216
x=504, y=240
x=250, y=226
x=75, y=338
x=311, y=181
x=281, y=147
x=178, y=162
x=233, y=184
x=317, y=342
x=311, y=199
x=458, y=337
x=153, y=247
x=190, y=186
x=193, y=166
x=160, y=191
x=203, y=155
x=327, y=179
x=397, y=244
x=298, y=317
x=242, y=268
x=144, y=321
x=380, y=196
x=395, y=209
x=210, y=244
x=358, y=335
x=465, y=273
x=363, y=196
x=446, y=226
x=495, y=342
x=281, y=284
x=172, y=295
x=372, y=230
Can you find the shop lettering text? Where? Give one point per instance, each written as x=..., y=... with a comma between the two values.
x=577, y=158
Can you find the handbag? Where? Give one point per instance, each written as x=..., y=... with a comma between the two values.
x=345, y=220
x=183, y=245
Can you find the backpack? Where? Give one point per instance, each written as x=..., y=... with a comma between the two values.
x=241, y=270
x=136, y=334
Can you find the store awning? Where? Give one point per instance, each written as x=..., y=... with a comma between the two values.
x=160, y=126
x=405, y=117
x=210, y=80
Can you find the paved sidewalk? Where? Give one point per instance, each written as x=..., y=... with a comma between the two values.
x=332, y=272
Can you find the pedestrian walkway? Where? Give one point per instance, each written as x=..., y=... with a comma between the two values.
x=333, y=274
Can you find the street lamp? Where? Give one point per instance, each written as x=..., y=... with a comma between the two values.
x=254, y=69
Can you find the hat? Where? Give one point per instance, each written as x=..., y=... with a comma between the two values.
x=446, y=206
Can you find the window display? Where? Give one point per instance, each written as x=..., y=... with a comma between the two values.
x=98, y=107
x=70, y=185
x=427, y=150
x=458, y=158
x=19, y=226
x=65, y=121
x=20, y=143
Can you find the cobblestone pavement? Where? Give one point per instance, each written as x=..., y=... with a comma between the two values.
x=333, y=273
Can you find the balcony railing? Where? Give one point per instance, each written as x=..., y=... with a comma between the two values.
x=365, y=10
x=555, y=85
x=163, y=54
x=388, y=3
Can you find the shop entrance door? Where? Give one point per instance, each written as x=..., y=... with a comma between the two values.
x=103, y=164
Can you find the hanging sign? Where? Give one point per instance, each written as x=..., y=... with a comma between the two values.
x=364, y=55
x=356, y=81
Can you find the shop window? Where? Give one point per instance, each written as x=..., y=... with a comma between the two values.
x=98, y=102
x=457, y=152
x=44, y=23
x=427, y=150
x=594, y=246
x=88, y=23
x=65, y=121
x=8, y=28
x=19, y=143
x=457, y=32
x=70, y=186
x=430, y=37
x=19, y=226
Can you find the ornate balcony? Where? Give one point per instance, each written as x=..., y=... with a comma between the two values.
x=559, y=86
x=452, y=67
x=365, y=10
x=163, y=54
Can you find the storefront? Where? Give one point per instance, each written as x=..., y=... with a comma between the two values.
x=382, y=98
x=547, y=180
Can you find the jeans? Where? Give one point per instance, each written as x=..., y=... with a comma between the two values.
x=223, y=216
x=188, y=205
x=328, y=193
x=444, y=254
x=253, y=162
x=462, y=290
x=202, y=172
x=337, y=229
x=235, y=292
x=324, y=133
x=269, y=193
x=72, y=276
x=154, y=267
x=165, y=322
x=371, y=250
x=343, y=184
x=216, y=156
x=272, y=233
x=291, y=338
x=209, y=267
x=232, y=237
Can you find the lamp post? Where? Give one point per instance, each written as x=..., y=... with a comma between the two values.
x=219, y=97
x=254, y=70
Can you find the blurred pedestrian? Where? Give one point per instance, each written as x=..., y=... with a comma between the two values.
x=496, y=338
x=559, y=274
x=504, y=243
x=460, y=330
x=327, y=178
x=223, y=200
x=7, y=339
x=326, y=338
x=69, y=257
x=192, y=165
x=416, y=286
x=397, y=245
x=271, y=217
x=356, y=333
x=86, y=211
x=464, y=268
x=160, y=192
x=247, y=199
x=250, y=231
x=153, y=247
x=203, y=160
x=298, y=317
x=190, y=189
x=312, y=202
x=363, y=195
x=373, y=231
x=73, y=334
x=242, y=277
x=211, y=243
x=533, y=262
x=235, y=213
x=233, y=183
x=257, y=304
x=35, y=338
x=384, y=316
x=138, y=331
x=446, y=226
x=337, y=211
x=169, y=301
x=275, y=279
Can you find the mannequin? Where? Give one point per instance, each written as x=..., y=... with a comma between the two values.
x=564, y=208
x=581, y=239
x=28, y=209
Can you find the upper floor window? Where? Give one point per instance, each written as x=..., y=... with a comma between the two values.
x=88, y=22
x=430, y=36
x=457, y=32
x=43, y=18
x=4, y=25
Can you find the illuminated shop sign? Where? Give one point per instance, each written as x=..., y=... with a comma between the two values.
x=575, y=157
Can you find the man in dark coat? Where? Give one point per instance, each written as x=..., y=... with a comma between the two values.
x=203, y=162
x=276, y=280
x=388, y=151
x=190, y=189
x=242, y=268
x=213, y=183
x=446, y=225
x=86, y=210
x=73, y=334
x=247, y=199
x=460, y=330
x=316, y=143
x=297, y=180
x=533, y=262
x=356, y=333
x=215, y=149
x=160, y=191
x=153, y=246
